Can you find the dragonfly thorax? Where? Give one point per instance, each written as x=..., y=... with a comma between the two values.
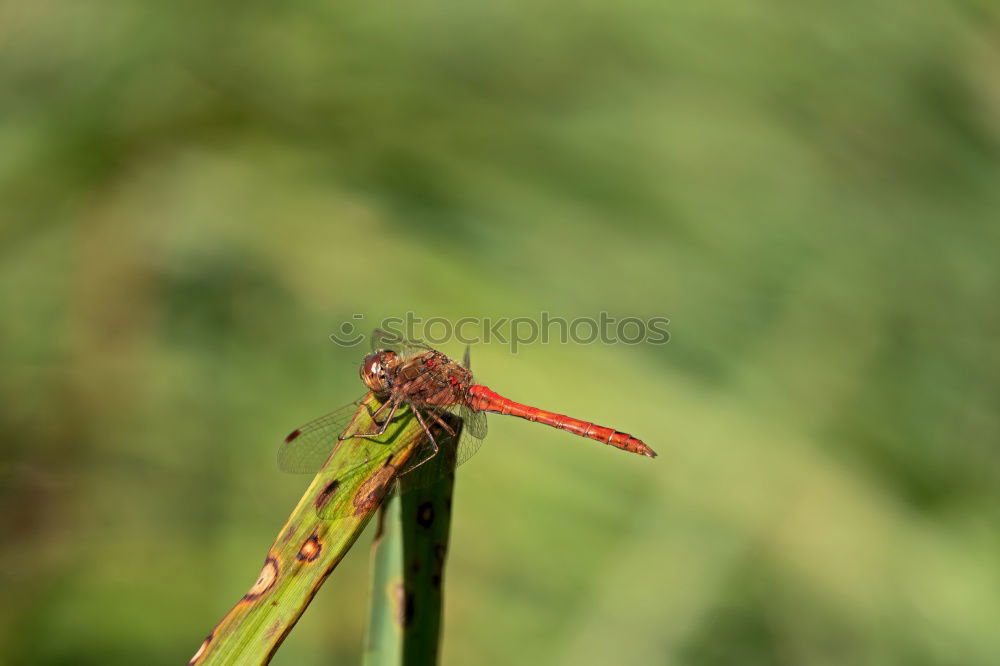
x=377, y=370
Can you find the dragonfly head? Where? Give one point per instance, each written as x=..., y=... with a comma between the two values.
x=377, y=370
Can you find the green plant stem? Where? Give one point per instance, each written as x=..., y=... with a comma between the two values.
x=404, y=626
x=383, y=643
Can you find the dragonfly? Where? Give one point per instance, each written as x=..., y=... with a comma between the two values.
x=400, y=373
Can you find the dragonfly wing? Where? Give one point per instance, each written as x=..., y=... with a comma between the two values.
x=335, y=510
x=473, y=433
x=425, y=467
x=420, y=472
x=474, y=422
x=382, y=339
x=306, y=449
x=361, y=464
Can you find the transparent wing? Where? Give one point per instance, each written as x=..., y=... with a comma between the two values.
x=366, y=469
x=419, y=473
x=474, y=423
x=383, y=479
x=306, y=449
x=373, y=470
x=382, y=339
x=473, y=432
x=424, y=467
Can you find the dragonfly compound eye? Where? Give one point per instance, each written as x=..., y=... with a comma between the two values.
x=376, y=370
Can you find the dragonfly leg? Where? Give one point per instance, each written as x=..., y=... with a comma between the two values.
x=380, y=408
x=385, y=424
x=444, y=424
x=427, y=430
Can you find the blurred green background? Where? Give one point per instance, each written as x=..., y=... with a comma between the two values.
x=194, y=195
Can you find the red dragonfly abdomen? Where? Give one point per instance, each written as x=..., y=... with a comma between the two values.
x=483, y=399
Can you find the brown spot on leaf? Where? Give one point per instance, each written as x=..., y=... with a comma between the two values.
x=437, y=576
x=273, y=630
x=403, y=604
x=327, y=494
x=310, y=550
x=265, y=581
x=425, y=514
x=371, y=492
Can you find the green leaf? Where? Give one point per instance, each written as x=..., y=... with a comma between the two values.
x=308, y=548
